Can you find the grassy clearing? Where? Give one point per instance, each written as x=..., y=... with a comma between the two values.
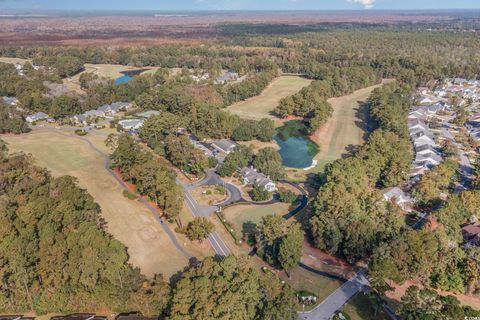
x=360, y=308
x=238, y=215
x=14, y=60
x=209, y=195
x=130, y=222
x=260, y=106
x=302, y=279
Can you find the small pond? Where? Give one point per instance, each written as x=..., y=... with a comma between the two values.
x=296, y=149
x=128, y=75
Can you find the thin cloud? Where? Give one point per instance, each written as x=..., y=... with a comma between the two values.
x=366, y=3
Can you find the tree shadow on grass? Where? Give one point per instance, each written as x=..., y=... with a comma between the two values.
x=249, y=229
x=364, y=122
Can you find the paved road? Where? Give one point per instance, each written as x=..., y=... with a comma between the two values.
x=154, y=211
x=337, y=299
x=212, y=178
x=220, y=247
x=303, y=200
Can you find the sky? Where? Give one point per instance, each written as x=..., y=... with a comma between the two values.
x=168, y=5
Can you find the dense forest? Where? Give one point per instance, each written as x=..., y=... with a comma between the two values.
x=151, y=177
x=55, y=255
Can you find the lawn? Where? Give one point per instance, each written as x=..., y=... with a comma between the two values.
x=130, y=222
x=14, y=60
x=260, y=106
x=209, y=195
x=346, y=127
x=361, y=308
x=240, y=214
x=321, y=286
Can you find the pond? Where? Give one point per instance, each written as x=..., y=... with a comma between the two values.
x=128, y=75
x=296, y=149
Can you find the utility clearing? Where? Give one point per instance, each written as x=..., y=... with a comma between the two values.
x=261, y=106
x=129, y=221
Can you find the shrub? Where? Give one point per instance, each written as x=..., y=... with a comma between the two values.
x=80, y=132
x=259, y=194
x=129, y=195
x=287, y=196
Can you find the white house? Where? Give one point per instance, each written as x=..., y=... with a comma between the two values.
x=430, y=159
x=80, y=119
x=402, y=199
x=131, y=124
x=10, y=101
x=252, y=177
x=114, y=108
x=36, y=117
x=417, y=124
x=227, y=76
x=422, y=140
x=94, y=113
x=424, y=149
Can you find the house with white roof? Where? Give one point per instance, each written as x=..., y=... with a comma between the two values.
x=429, y=159
x=424, y=139
x=36, y=117
x=12, y=101
x=131, y=124
x=227, y=76
x=252, y=177
x=114, y=108
x=94, y=113
x=402, y=199
x=417, y=124
x=80, y=119
x=225, y=145
x=424, y=149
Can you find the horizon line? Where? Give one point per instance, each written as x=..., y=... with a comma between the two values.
x=243, y=10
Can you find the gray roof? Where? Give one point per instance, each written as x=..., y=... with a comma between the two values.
x=10, y=100
x=80, y=118
x=417, y=123
x=255, y=177
x=130, y=123
x=397, y=193
x=423, y=147
x=116, y=106
x=93, y=113
x=38, y=116
x=227, y=76
x=428, y=156
x=418, y=132
x=225, y=145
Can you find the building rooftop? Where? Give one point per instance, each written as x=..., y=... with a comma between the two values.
x=224, y=145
